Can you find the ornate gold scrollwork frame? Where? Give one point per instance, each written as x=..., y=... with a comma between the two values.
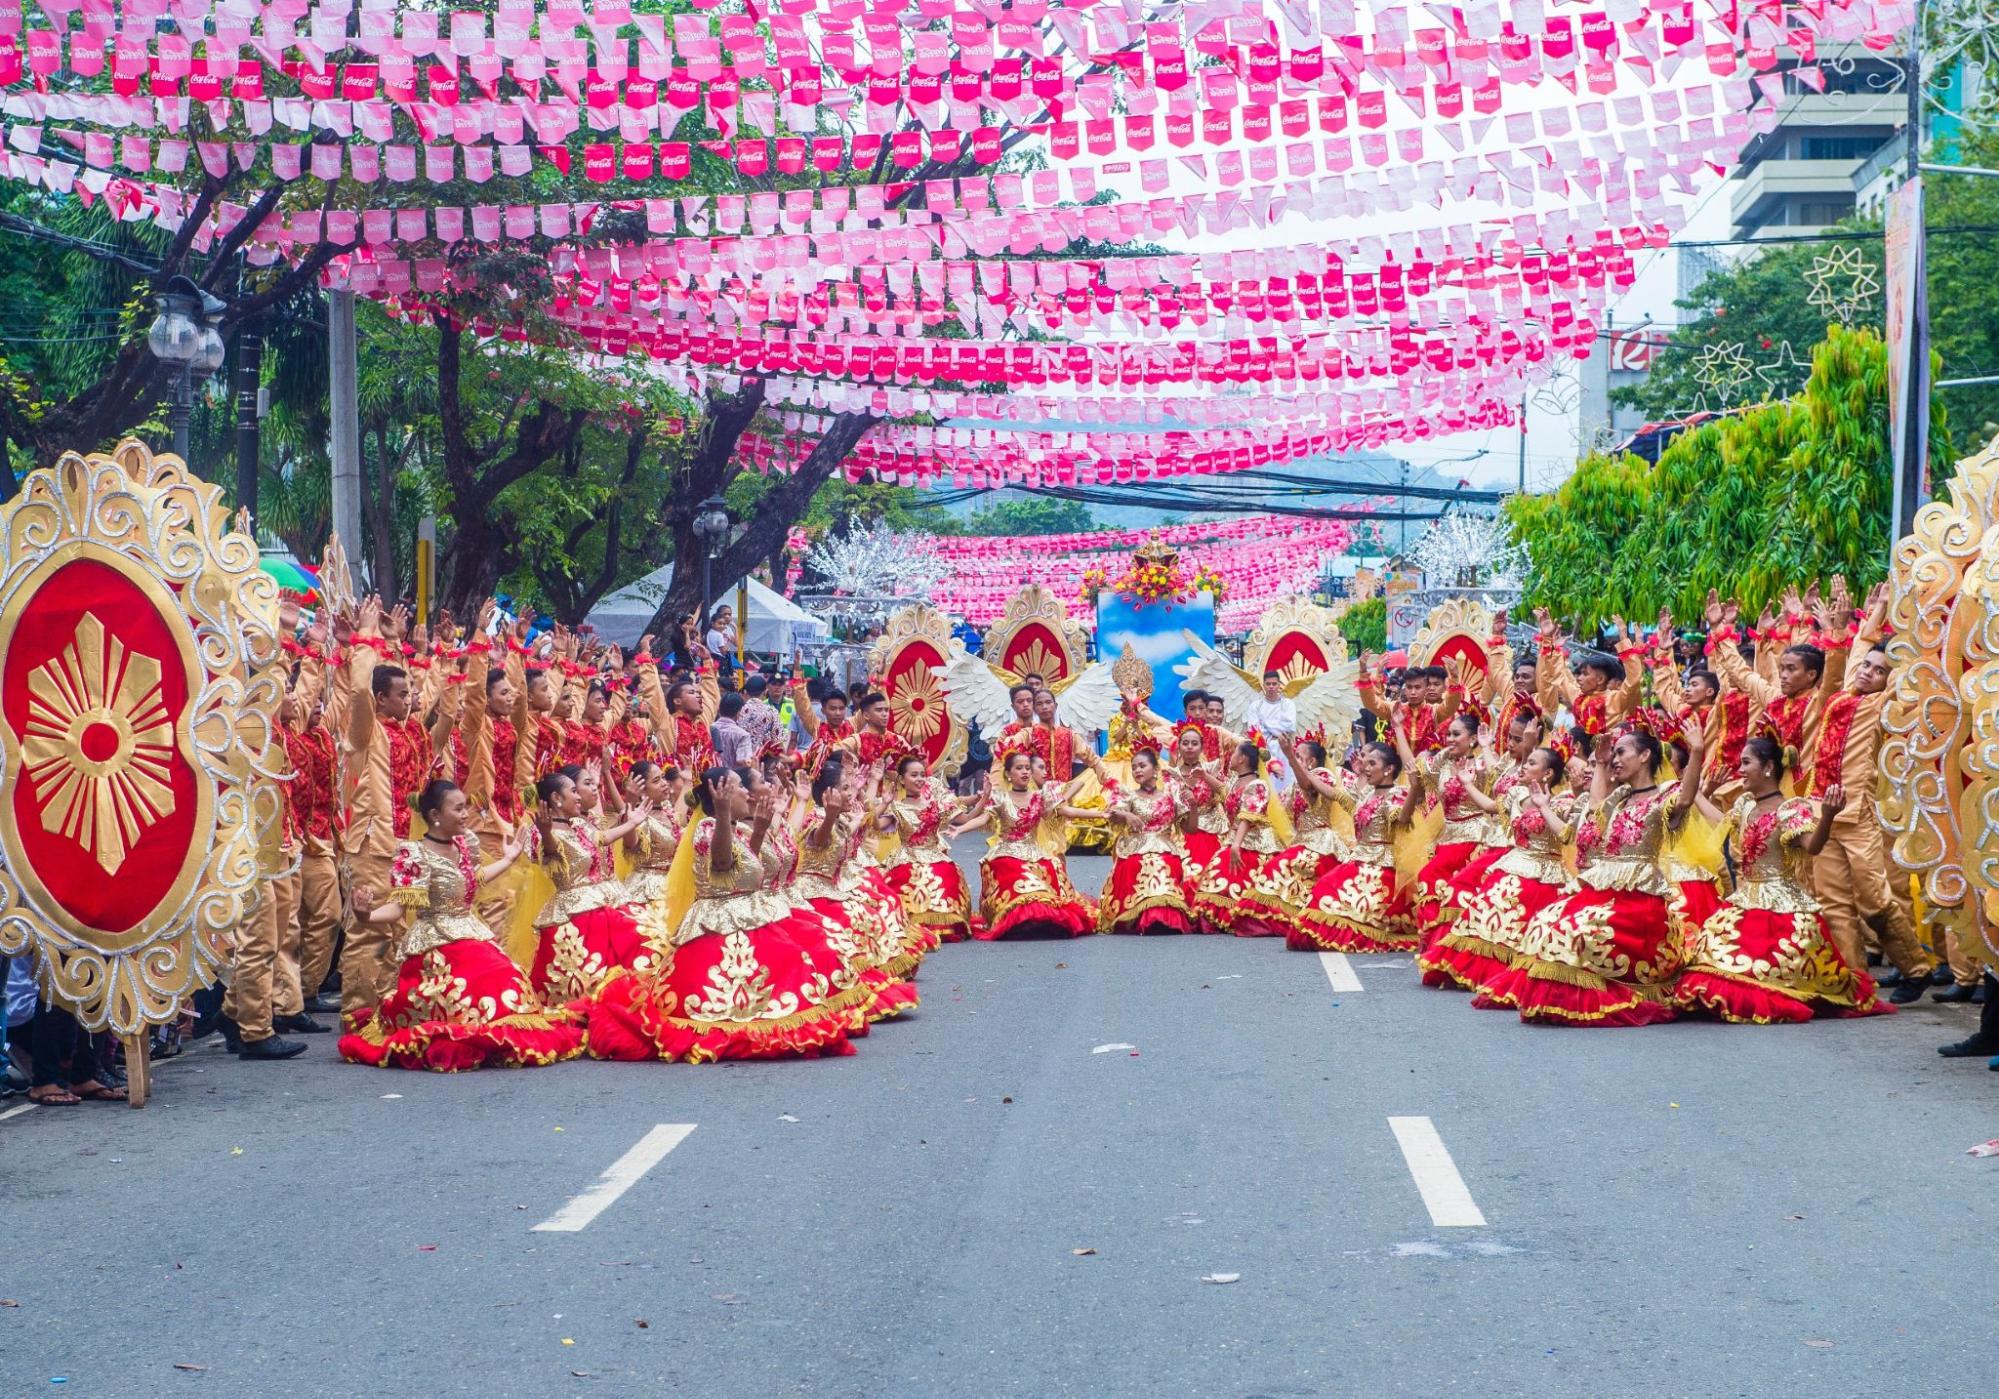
x=909, y=656
x=167, y=536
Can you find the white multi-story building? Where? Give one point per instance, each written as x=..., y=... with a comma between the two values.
x=1799, y=176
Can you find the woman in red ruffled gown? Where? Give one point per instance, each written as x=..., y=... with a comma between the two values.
x=1608, y=953
x=1523, y=736
x=1023, y=890
x=661, y=792
x=921, y=869
x=1456, y=775
x=459, y=1001
x=749, y=975
x=1147, y=889
x=1222, y=886
x=1358, y=906
x=1480, y=945
x=866, y=924
x=590, y=928
x=1764, y=957
x=1203, y=824
x=1284, y=884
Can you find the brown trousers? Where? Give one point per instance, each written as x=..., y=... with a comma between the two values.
x=1850, y=877
x=1965, y=954
x=316, y=918
x=366, y=970
x=253, y=991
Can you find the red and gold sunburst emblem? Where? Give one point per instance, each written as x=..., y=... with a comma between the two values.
x=916, y=704
x=98, y=746
x=1037, y=657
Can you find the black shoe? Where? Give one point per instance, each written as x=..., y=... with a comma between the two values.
x=301, y=1025
x=273, y=1048
x=1942, y=975
x=1908, y=990
x=325, y=1003
x=1967, y=1048
x=1954, y=995
x=232, y=1034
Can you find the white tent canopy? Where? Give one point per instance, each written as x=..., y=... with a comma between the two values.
x=776, y=624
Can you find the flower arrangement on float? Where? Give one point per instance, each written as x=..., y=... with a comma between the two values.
x=1207, y=580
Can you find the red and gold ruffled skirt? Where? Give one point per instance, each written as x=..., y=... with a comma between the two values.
x=1355, y=907
x=1202, y=847
x=1284, y=885
x=1696, y=901
x=747, y=990
x=1435, y=900
x=572, y=959
x=464, y=1005
x=1480, y=945
x=1220, y=893
x=865, y=939
x=935, y=895
x=1017, y=895
x=1146, y=893
x=1596, y=957
x=1754, y=966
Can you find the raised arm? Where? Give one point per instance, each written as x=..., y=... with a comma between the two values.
x=1727, y=661
x=1829, y=808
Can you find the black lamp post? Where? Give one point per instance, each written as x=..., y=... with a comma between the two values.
x=711, y=527
x=184, y=338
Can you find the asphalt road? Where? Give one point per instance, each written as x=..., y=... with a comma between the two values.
x=1689, y=1209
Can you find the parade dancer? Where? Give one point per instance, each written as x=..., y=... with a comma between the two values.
x=921, y=868
x=459, y=1001
x=1357, y=906
x=1283, y=886
x=1766, y=956
x=749, y=975
x=1221, y=886
x=1022, y=888
x=1147, y=891
x=1608, y=953
x=590, y=928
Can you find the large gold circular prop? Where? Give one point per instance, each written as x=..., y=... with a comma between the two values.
x=137, y=748
x=1939, y=802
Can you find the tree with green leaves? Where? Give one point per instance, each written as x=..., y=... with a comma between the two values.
x=1764, y=304
x=1031, y=515
x=1789, y=492
x=1365, y=626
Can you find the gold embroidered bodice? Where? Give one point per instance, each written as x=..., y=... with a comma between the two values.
x=1248, y=801
x=1771, y=867
x=1213, y=817
x=583, y=869
x=1157, y=811
x=1624, y=839
x=1017, y=817
x=1377, y=812
x=1312, y=815
x=825, y=872
x=437, y=885
x=657, y=840
x=1536, y=851
x=1450, y=779
x=735, y=900
x=920, y=823
x=1510, y=773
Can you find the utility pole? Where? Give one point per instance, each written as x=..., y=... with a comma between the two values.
x=1522, y=488
x=249, y=380
x=1913, y=409
x=346, y=414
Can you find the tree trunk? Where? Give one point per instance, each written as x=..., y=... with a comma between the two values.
x=381, y=512
x=713, y=468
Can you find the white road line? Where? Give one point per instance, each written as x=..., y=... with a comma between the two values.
x=1339, y=971
x=625, y=1172
x=1443, y=1189
x=16, y=1112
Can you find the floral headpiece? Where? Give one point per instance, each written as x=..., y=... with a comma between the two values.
x=1146, y=743
x=1189, y=726
x=1563, y=746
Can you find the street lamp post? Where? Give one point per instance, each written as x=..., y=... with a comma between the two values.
x=184, y=338
x=711, y=527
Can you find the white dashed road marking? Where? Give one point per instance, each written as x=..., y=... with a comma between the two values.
x=1339, y=971
x=1437, y=1180
x=625, y=1172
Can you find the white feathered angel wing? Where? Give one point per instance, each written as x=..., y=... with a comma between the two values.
x=1210, y=670
x=977, y=695
x=1332, y=701
x=1089, y=702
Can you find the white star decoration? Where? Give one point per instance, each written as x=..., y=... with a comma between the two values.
x=1843, y=283
x=1784, y=374
x=1723, y=370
